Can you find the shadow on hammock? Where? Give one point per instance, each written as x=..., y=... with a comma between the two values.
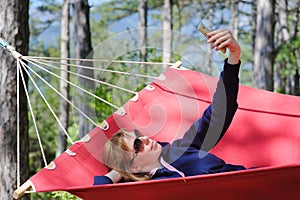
x=264, y=134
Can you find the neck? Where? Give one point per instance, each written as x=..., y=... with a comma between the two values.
x=151, y=167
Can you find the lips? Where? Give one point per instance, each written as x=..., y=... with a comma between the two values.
x=154, y=145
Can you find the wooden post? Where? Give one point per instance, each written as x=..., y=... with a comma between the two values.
x=18, y=193
x=177, y=64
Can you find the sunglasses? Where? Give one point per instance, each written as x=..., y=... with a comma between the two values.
x=137, y=145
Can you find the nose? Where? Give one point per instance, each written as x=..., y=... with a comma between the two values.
x=144, y=139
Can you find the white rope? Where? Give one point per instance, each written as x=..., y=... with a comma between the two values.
x=101, y=60
x=18, y=126
x=95, y=68
x=65, y=98
x=83, y=76
x=30, y=59
x=45, y=61
x=74, y=85
x=33, y=117
x=46, y=102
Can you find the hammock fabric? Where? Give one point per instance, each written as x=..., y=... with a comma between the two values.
x=265, y=133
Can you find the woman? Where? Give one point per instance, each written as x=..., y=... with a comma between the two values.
x=135, y=157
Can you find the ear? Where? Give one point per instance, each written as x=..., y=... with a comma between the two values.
x=135, y=169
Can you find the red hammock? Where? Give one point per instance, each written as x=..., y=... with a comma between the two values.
x=265, y=133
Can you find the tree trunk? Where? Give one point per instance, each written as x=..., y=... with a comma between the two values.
x=235, y=16
x=64, y=87
x=208, y=61
x=296, y=77
x=296, y=90
x=281, y=37
x=264, y=46
x=142, y=10
x=253, y=24
x=13, y=28
x=83, y=50
x=167, y=31
x=296, y=19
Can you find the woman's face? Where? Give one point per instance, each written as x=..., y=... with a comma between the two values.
x=147, y=155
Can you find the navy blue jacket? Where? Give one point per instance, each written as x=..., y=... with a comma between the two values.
x=189, y=154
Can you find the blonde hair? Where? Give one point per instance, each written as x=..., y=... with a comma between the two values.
x=116, y=156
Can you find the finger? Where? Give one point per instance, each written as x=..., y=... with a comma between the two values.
x=224, y=44
x=221, y=34
x=221, y=39
x=212, y=33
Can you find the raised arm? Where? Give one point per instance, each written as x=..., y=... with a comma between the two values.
x=210, y=128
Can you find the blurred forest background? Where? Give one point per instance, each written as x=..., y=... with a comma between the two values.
x=136, y=30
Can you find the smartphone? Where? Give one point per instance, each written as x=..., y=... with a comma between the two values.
x=204, y=30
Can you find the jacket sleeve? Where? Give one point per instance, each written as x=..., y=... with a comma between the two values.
x=101, y=180
x=215, y=120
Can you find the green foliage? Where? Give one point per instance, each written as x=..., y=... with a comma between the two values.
x=288, y=58
x=50, y=11
x=129, y=82
x=99, y=31
x=60, y=195
x=289, y=51
x=102, y=109
x=63, y=196
x=52, y=7
x=117, y=9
